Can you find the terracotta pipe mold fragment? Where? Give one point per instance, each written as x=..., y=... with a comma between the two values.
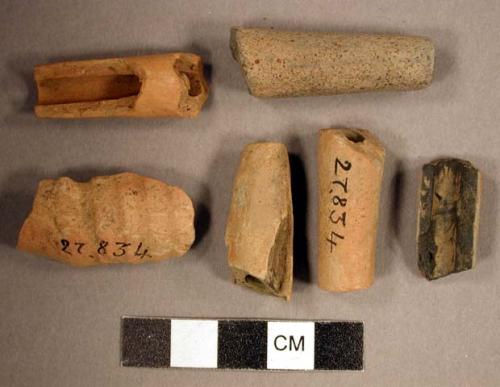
x=123, y=218
x=259, y=232
x=289, y=63
x=167, y=85
x=448, y=217
x=350, y=168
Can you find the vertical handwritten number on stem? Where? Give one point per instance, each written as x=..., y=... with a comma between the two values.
x=337, y=200
x=65, y=244
x=339, y=218
x=332, y=240
x=342, y=184
x=345, y=166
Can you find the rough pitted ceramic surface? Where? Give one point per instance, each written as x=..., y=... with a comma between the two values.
x=448, y=217
x=123, y=218
x=350, y=168
x=259, y=232
x=166, y=85
x=287, y=63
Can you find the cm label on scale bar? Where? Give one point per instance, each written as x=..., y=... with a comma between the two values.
x=290, y=345
x=293, y=346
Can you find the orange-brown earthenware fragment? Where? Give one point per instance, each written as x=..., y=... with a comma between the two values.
x=123, y=218
x=167, y=85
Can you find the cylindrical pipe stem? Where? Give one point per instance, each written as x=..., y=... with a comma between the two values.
x=350, y=167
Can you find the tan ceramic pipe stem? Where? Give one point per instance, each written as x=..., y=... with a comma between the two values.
x=291, y=63
x=350, y=167
x=259, y=232
x=167, y=85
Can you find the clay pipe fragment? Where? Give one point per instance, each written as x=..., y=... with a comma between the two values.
x=259, y=231
x=350, y=169
x=123, y=218
x=291, y=63
x=167, y=85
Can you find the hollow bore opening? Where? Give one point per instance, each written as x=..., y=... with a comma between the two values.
x=256, y=283
x=191, y=75
x=354, y=136
x=87, y=89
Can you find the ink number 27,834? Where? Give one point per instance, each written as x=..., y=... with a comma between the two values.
x=117, y=249
x=338, y=200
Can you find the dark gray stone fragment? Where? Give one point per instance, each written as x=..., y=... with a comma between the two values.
x=448, y=217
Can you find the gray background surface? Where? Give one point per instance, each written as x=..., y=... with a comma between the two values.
x=59, y=326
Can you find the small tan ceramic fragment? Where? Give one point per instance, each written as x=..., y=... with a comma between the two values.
x=259, y=232
x=167, y=85
x=350, y=167
x=288, y=63
x=448, y=217
x=123, y=218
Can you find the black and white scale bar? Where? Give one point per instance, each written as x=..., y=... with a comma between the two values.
x=241, y=344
